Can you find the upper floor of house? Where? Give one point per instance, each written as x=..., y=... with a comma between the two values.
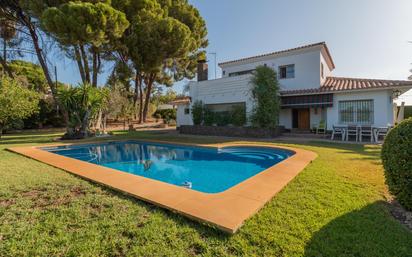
x=303, y=67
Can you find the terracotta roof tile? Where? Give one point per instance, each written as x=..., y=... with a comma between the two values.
x=284, y=51
x=336, y=84
x=181, y=100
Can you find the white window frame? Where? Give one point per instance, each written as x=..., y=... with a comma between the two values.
x=286, y=67
x=358, y=106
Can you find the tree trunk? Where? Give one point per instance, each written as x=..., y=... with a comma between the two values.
x=85, y=124
x=5, y=50
x=85, y=64
x=12, y=10
x=6, y=67
x=40, y=57
x=104, y=123
x=141, y=103
x=1, y=130
x=138, y=95
x=149, y=86
x=98, y=125
x=95, y=68
x=3, y=60
x=79, y=63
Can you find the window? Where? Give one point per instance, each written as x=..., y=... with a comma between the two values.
x=356, y=112
x=187, y=111
x=224, y=73
x=287, y=71
x=239, y=73
x=321, y=70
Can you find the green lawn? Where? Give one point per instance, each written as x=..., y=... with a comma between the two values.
x=335, y=207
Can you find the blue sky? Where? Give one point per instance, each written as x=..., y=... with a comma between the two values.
x=367, y=38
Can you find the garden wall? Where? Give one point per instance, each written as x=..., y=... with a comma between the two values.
x=231, y=131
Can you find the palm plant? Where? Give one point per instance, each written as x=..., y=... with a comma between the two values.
x=82, y=105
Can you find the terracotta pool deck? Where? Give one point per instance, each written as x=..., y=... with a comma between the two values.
x=226, y=210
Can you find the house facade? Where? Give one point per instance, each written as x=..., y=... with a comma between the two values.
x=309, y=92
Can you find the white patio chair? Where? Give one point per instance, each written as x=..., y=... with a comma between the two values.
x=352, y=131
x=338, y=131
x=381, y=132
x=321, y=128
x=366, y=131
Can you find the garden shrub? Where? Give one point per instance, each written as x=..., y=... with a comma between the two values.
x=16, y=102
x=397, y=161
x=47, y=116
x=222, y=118
x=408, y=112
x=197, y=112
x=167, y=114
x=238, y=115
x=265, y=92
x=208, y=117
x=82, y=104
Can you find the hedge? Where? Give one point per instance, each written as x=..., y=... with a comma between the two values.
x=397, y=161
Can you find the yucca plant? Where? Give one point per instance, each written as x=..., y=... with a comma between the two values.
x=82, y=105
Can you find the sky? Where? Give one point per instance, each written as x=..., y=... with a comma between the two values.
x=366, y=38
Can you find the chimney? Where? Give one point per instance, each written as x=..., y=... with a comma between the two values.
x=202, y=70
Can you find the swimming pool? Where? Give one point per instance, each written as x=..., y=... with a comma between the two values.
x=208, y=170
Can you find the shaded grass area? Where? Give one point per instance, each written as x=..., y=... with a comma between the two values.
x=335, y=207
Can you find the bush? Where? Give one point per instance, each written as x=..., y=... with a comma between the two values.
x=47, y=116
x=82, y=105
x=208, y=116
x=16, y=102
x=167, y=114
x=197, y=112
x=222, y=118
x=408, y=112
x=238, y=115
x=397, y=161
x=265, y=92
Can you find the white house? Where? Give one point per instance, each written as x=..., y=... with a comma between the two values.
x=309, y=91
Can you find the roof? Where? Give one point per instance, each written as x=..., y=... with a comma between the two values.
x=338, y=84
x=322, y=44
x=165, y=107
x=181, y=100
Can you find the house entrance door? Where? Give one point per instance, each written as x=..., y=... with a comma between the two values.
x=304, y=119
x=301, y=119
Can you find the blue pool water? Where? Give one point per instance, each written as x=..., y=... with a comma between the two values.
x=207, y=170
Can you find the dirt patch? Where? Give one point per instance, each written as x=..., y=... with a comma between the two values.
x=55, y=196
x=77, y=191
x=6, y=202
x=196, y=249
x=402, y=215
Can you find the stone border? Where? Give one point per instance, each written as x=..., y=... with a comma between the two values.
x=226, y=210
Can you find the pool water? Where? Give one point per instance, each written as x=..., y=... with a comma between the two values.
x=207, y=170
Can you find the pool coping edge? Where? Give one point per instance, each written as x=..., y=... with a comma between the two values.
x=226, y=210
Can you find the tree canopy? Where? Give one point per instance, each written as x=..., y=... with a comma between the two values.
x=150, y=42
x=80, y=25
x=16, y=101
x=84, y=23
x=31, y=72
x=163, y=43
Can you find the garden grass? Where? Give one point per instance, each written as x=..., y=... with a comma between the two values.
x=335, y=207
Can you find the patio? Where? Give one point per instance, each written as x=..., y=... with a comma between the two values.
x=359, y=132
